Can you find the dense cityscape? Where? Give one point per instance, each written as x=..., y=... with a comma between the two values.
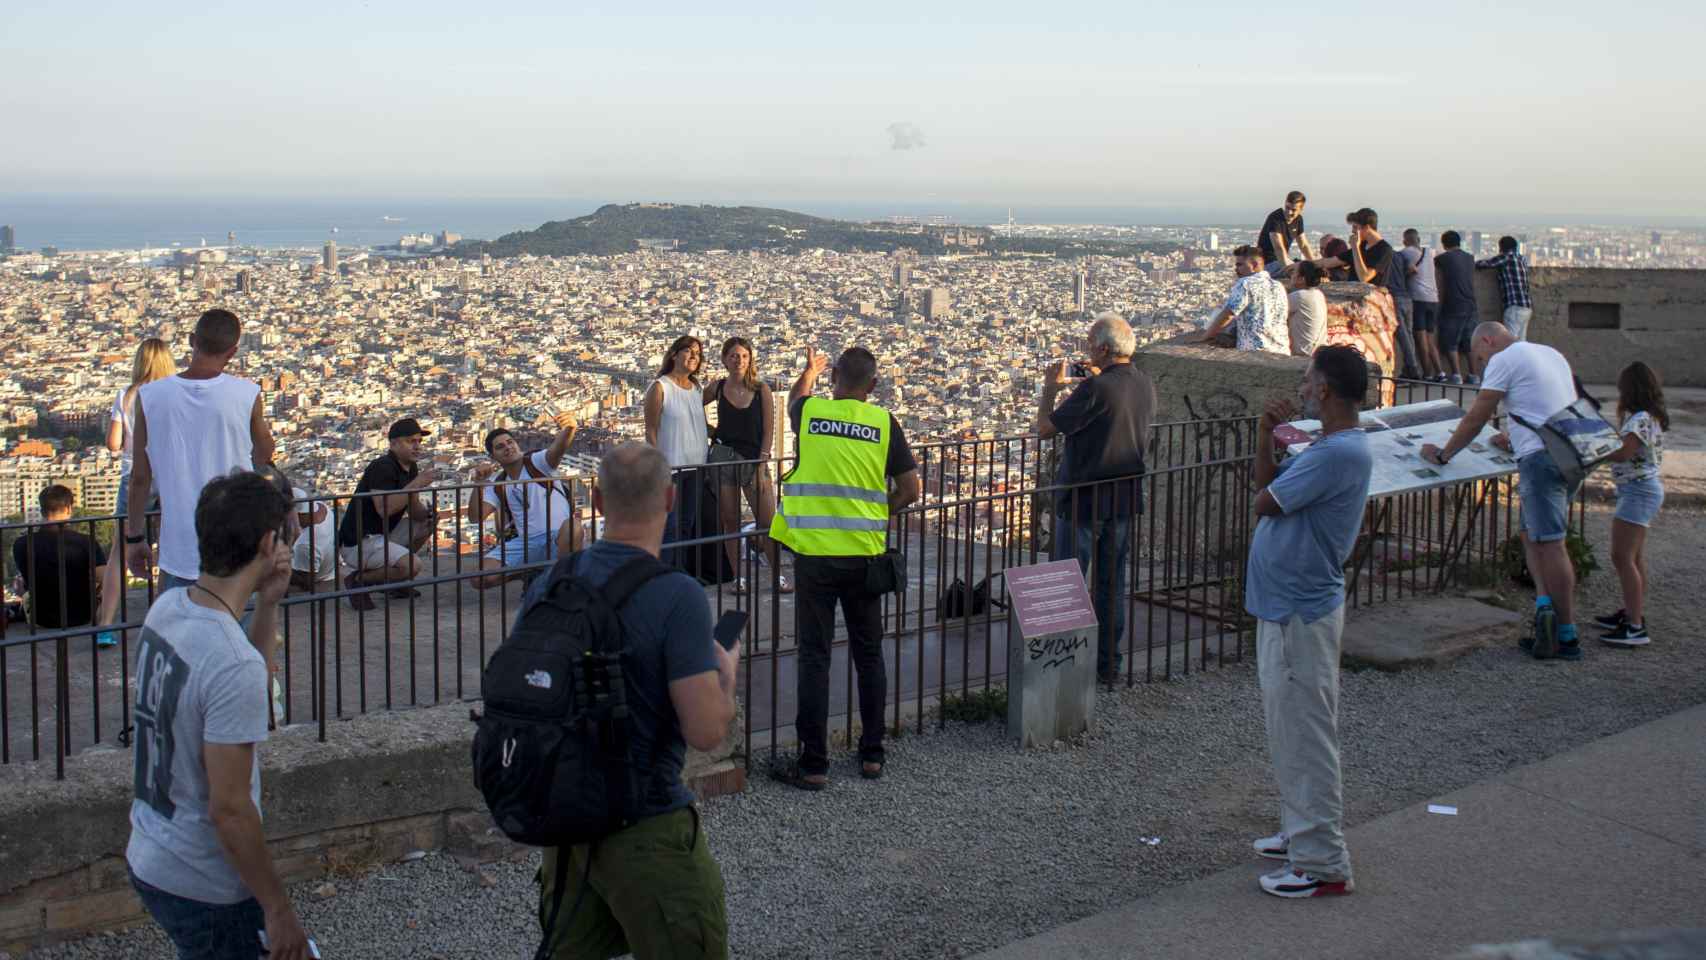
x=344, y=340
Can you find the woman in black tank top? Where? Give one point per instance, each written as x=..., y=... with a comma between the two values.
x=746, y=428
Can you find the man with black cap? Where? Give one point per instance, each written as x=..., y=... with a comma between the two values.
x=382, y=532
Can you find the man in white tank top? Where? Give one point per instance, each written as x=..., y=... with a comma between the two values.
x=190, y=428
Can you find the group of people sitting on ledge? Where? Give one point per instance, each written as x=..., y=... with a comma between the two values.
x=1276, y=304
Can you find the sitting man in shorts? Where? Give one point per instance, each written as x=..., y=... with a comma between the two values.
x=535, y=518
x=389, y=521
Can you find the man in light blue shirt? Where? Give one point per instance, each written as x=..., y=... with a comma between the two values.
x=1310, y=510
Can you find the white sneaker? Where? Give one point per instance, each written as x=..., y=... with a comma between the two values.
x=783, y=584
x=1276, y=847
x=1295, y=884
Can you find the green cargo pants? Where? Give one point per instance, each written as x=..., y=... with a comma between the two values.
x=653, y=891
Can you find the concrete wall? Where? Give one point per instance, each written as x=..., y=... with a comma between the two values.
x=1194, y=381
x=383, y=785
x=1660, y=317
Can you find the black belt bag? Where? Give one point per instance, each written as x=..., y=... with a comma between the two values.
x=886, y=572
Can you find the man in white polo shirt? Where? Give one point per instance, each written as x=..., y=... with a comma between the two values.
x=1534, y=382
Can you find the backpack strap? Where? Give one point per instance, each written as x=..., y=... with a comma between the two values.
x=532, y=470
x=630, y=577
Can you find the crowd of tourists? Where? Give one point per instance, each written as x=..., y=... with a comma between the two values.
x=1276, y=303
x=234, y=536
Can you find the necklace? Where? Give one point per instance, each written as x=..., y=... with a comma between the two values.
x=216, y=596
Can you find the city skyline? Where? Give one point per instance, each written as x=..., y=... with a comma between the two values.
x=1093, y=107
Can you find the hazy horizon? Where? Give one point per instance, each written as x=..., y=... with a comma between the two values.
x=1443, y=113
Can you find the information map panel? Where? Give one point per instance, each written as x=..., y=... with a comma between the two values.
x=1395, y=438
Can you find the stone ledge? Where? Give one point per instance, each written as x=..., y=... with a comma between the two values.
x=381, y=787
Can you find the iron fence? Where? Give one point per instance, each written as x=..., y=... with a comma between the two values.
x=988, y=504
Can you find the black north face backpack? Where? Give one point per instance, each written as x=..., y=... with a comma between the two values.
x=551, y=749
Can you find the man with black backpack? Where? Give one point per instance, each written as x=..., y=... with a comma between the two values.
x=536, y=520
x=609, y=675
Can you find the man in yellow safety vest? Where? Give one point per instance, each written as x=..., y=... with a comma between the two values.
x=834, y=516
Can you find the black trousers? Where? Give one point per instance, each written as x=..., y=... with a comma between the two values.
x=821, y=583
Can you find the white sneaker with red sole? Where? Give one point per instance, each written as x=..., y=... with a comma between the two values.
x=1295, y=884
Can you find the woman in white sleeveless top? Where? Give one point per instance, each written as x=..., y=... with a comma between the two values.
x=675, y=424
x=153, y=362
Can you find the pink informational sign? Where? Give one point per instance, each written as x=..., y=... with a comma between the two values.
x=1050, y=598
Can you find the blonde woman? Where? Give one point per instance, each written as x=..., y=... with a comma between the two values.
x=746, y=429
x=153, y=362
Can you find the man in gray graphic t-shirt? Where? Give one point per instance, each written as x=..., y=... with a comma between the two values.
x=197, y=857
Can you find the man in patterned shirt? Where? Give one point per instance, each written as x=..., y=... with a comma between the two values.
x=1513, y=284
x=1257, y=307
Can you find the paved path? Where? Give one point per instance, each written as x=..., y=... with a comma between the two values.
x=1608, y=836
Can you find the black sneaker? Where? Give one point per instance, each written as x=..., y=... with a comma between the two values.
x=1611, y=621
x=1569, y=651
x=1545, y=633
x=1628, y=635
x=1526, y=644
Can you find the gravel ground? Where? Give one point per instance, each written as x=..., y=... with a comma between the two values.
x=967, y=844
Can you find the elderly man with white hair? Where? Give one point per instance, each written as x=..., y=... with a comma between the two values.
x=1105, y=425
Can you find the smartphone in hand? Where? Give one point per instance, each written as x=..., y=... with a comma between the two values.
x=728, y=628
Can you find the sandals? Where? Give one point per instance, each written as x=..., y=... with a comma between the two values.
x=871, y=769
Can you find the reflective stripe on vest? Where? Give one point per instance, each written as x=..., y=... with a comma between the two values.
x=834, y=490
x=835, y=501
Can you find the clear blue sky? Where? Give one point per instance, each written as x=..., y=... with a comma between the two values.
x=1560, y=108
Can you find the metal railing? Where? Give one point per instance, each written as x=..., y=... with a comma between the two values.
x=988, y=504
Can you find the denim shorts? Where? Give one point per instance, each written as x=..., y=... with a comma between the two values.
x=519, y=550
x=205, y=931
x=1638, y=501
x=1456, y=331
x=1545, y=498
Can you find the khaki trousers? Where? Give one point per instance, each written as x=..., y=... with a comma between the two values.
x=1298, y=664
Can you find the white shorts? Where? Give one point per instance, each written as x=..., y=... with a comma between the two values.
x=378, y=551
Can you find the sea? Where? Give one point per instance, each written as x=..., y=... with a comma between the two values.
x=101, y=222
x=115, y=222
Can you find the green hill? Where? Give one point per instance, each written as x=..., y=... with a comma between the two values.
x=621, y=228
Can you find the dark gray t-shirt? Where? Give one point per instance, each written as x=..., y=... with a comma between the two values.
x=668, y=628
x=1456, y=273
x=198, y=681
x=1105, y=425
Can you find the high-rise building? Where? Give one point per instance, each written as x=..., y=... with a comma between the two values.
x=1080, y=292
x=902, y=275
x=8, y=239
x=903, y=306
x=1478, y=243
x=935, y=303
x=329, y=256
x=1657, y=239
x=448, y=239
x=245, y=282
x=231, y=239
x=1213, y=241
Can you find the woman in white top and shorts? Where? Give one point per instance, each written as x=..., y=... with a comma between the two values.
x=675, y=424
x=153, y=362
